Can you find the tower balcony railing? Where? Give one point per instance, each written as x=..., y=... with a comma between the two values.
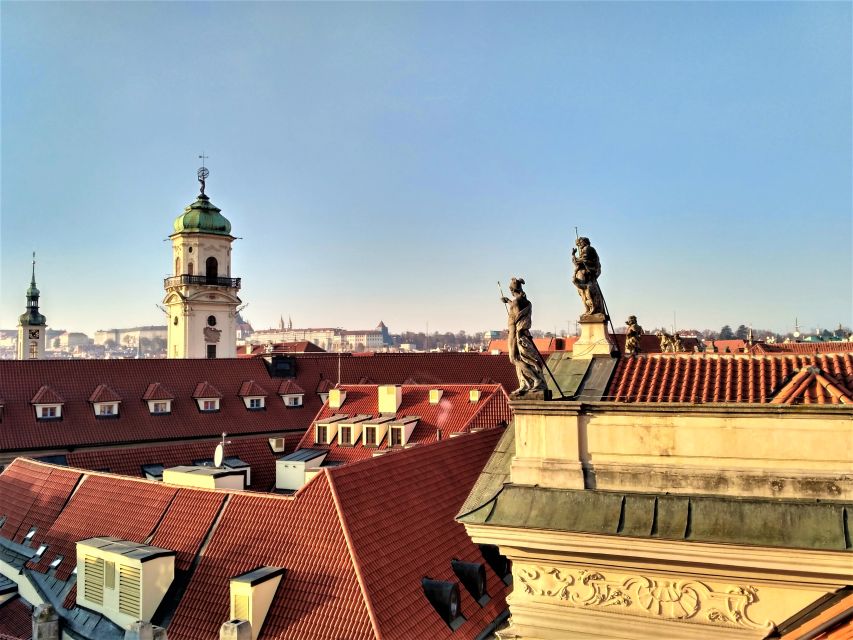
x=217, y=281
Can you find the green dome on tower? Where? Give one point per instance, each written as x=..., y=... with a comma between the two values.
x=202, y=216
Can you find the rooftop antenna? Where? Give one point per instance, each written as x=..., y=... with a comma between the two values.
x=219, y=453
x=203, y=173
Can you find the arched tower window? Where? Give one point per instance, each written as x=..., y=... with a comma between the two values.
x=211, y=268
x=189, y=268
x=177, y=266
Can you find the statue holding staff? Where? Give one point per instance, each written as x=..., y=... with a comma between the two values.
x=522, y=351
x=585, y=278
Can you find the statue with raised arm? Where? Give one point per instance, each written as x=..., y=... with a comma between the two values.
x=522, y=351
x=585, y=278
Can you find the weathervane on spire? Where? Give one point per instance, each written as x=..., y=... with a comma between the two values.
x=34, y=266
x=203, y=172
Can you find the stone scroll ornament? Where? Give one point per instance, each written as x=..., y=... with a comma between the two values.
x=655, y=597
x=585, y=278
x=522, y=351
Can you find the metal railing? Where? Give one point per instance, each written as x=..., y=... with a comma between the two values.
x=177, y=281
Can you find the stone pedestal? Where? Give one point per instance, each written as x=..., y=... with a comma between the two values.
x=140, y=630
x=593, y=340
x=45, y=623
x=235, y=630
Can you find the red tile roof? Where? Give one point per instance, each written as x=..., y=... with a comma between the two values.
x=650, y=343
x=351, y=572
x=545, y=345
x=103, y=506
x=717, y=377
x=186, y=523
x=251, y=388
x=324, y=385
x=33, y=495
x=289, y=387
x=735, y=345
x=454, y=413
x=207, y=390
x=104, y=393
x=394, y=547
x=46, y=395
x=16, y=621
x=303, y=346
x=157, y=391
x=255, y=451
x=149, y=379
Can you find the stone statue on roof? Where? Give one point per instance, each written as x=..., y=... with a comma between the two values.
x=522, y=352
x=632, y=336
x=585, y=278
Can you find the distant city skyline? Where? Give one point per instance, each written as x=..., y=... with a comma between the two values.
x=394, y=161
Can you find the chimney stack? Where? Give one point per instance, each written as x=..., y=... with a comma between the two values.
x=45, y=623
x=390, y=398
x=235, y=630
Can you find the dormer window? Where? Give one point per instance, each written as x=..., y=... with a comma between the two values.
x=254, y=395
x=291, y=393
x=293, y=400
x=158, y=407
x=255, y=403
x=207, y=397
x=326, y=430
x=106, y=409
x=400, y=431
x=47, y=404
x=49, y=411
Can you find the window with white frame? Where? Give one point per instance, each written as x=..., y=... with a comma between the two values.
x=211, y=404
x=256, y=403
x=160, y=406
x=49, y=411
x=106, y=409
x=292, y=400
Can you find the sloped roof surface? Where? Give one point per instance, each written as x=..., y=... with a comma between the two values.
x=251, y=388
x=392, y=548
x=46, y=395
x=289, y=387
x=33, y=495
x=454, y=413
x=16, y=620
x=128, y=461
x=320, y=595
x=177, y=379
x=301, y=346
x=207, y=390
x=717, y=377
x=103, y=506
x=803, y=347
x=103, y=393
x=811, y=386
x=157, y=391
x=186, y=523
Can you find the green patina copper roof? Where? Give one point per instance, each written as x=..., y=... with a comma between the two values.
x=202, y=216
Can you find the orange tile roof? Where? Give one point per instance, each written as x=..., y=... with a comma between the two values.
x=103, y=393
x=803, y=347
x=454, y=413
x=186, y=522
x=842, y=629
x=699, y=378
x=811, y=386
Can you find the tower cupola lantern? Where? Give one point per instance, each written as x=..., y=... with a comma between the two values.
x=201, y=296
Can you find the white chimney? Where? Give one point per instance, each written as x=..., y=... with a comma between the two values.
x=435, y=395
x=390, y=398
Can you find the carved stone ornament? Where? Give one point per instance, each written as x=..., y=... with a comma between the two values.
x=661, y=598
x=211, y=334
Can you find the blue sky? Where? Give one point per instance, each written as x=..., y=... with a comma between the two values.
x=394, y=160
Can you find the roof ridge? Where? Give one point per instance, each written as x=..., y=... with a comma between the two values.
x=371, y=613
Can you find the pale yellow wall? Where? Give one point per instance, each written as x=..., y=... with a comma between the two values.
x=260, y=597
x=757, y=450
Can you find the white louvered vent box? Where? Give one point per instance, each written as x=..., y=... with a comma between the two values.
x=125, y=581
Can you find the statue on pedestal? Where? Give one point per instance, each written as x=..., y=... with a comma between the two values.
x=632, y=336
x=522, y=351
x=585, y=279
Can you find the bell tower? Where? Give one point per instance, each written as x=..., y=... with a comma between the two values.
x=201, y=297
x=32, y=326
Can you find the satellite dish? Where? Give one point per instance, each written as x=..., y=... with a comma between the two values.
x=218, y=455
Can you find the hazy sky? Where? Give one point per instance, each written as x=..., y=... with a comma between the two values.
x=393, y=161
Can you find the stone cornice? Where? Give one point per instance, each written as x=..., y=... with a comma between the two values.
x=574, y=408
